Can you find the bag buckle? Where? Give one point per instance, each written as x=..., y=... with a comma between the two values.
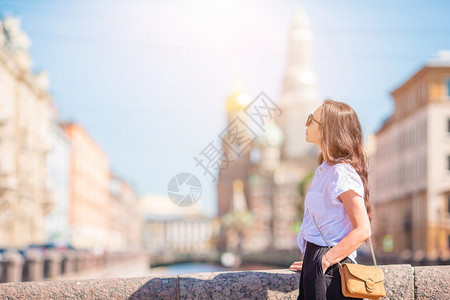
x=370, y=284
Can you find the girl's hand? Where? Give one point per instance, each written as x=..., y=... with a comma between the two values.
x=325, y=264
x=296, y=266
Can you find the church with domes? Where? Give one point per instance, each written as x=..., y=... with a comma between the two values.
x=279, y=160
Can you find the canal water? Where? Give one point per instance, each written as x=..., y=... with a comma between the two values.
x=188, y=268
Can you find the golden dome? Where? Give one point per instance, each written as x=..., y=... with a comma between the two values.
x=237, y=101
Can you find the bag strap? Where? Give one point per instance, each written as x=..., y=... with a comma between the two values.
x=373, y=253
x=329, y=247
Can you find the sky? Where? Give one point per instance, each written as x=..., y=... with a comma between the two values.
x=149, y=79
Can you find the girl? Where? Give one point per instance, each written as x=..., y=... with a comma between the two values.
x=338, y=201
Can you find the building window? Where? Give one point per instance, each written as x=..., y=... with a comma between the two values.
x=448, y=162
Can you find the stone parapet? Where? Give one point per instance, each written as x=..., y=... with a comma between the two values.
x=401, y=282
x=432, y=282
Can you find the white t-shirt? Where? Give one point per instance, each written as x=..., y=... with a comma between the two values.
x=321, y=201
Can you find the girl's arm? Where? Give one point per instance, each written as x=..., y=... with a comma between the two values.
x=356, y=210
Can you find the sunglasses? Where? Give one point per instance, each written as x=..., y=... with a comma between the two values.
x=310, y=119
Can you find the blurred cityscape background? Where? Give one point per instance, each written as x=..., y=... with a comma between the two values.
x=103, y=103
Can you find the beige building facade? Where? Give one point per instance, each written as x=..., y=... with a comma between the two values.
x=125, y=222
x=168, y=228
x=89, y=190
x=24, y=141
x=410, y=180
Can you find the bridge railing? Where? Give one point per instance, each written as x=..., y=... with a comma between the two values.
x=36, y=265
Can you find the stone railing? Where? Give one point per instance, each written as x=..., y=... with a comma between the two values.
x=401, y=282
x=36, y=265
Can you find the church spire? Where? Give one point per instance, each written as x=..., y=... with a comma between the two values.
x=299, y=76
x=299, y=97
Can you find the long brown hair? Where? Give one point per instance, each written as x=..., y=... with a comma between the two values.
x=342, y=141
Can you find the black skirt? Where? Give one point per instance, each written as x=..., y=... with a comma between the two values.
x=313, y=283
